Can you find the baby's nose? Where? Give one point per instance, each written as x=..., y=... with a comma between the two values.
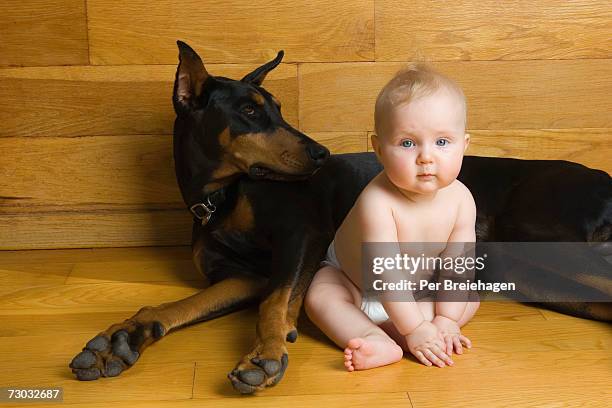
x=424, y=157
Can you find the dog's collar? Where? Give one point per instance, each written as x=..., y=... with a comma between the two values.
x=204, y=210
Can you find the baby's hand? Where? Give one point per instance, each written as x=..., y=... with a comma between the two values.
x=426, y=345
x=450, y=333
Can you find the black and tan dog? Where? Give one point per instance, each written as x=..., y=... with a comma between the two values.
x=267, y=200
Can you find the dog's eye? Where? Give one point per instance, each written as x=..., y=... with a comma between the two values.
x=248, y=110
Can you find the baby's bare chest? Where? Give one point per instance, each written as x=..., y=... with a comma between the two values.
x=431, y=224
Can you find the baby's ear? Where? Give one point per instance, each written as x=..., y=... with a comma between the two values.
x=375, y=145
x=467, y=141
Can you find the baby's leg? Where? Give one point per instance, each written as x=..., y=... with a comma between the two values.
x=468, y=313
x=331, y=304
x=427, y=307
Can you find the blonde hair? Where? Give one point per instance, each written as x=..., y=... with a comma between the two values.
x=411, y=83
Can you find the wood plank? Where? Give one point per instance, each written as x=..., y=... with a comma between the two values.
x=590, y=147
x=125, y=172
x=231, y=31
x=141, y=383
x=486, y=30
x=22, y=277
x=474, y=371
x=518, y=357
x=111, y=171
x=341, y=142
x=118, y=100
x=94, y=255
x=48, y=32
x=93, y=229
x=79, y=298
x=535, y=395
x=89, y=323
x=501, y=94
x=134, y=271
x=261, y=400
x=233, y=335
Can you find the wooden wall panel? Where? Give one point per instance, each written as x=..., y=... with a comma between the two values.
x=81, y=173
x=86, y=124
x=501, y=94
x=342, y=142
x=93, y=229
x=116, y=173
x=591, y=147
x=142, y=32
x=76, y=101
x=43, y=32
x=492, y=30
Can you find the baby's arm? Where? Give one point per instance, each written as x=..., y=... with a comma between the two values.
x=463, y=232
x=378, y=225
x=449, y=313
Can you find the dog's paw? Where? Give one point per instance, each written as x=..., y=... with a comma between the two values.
x=258, y=373
x=115, y=350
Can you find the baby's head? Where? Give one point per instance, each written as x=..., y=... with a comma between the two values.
x=420, y=120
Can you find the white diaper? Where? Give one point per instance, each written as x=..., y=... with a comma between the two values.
x=374, y=310
x=371, y=307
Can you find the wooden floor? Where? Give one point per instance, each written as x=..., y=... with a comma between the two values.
x=53, y=302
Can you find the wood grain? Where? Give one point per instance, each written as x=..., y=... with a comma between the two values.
x=517, y=360
x=489, y=30
x=92, y=229
x=87, y=173
x=341, y=142
x=94, y=255
x=44, y=32
x=590, y=147
x=231, y=31
x=132, y=172
x=500, y=94
x=119, y=100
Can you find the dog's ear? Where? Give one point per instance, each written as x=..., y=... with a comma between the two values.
x=190, y=78
x=257, y=77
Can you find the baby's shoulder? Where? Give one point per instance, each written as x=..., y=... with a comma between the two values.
x=375, y=195
x=460, y=194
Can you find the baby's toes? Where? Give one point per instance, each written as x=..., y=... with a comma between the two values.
x=349, y=365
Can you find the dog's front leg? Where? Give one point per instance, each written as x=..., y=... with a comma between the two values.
x=265, y=365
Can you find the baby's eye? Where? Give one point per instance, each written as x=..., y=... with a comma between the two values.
x=441, y=142
x=407, y=143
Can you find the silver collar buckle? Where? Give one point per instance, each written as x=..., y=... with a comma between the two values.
x=206, y=211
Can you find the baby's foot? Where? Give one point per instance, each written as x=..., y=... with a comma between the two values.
x=371, y=351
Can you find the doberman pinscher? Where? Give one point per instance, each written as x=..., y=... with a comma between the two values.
x=267, y=199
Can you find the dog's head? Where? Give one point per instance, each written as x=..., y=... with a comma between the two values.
x=239, y=123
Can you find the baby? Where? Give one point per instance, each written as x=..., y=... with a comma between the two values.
x=420, y=120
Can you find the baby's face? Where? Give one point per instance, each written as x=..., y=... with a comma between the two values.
x=424, y=142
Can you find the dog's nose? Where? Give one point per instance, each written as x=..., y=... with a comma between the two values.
x=317, y=153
